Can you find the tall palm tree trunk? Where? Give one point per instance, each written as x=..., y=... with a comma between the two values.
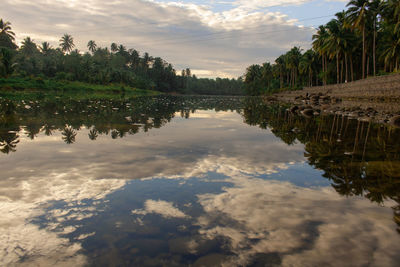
x=347, y=67
x=351, y=67
x=337, y=68
x=326, y=70
x=323, y=68
x=364, y=54
x=341, y=71
x=374, y=48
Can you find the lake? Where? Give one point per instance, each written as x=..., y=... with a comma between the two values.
x=200, y=181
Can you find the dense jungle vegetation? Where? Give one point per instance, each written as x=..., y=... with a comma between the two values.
x=359, y=42
x=33, y=66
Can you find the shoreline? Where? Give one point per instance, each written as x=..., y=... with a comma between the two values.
x=376, y=99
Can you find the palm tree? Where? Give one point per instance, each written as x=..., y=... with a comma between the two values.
x=280, y=62
x=319, y=40
x=375, y=7
x=5, y=29
x=292, y=63
x=67, y=43
x=28, y=47
x=92, y=46
x=121, y=49
x=7, y=66
x=391, y=46
x=306, y=65
x=45, y=48
x=357, y=19
x=394, y=5
x=114, y=47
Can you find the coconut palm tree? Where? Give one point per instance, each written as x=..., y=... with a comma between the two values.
x=319, y=40
x=7, y=66
x=121, y=49
x=67, y=43
x=306, y=65
x=391, y=48
x=280, y=62
x=394, y=5
x=114, y=47
x=28, y=47
x=92, y=46
x=5, y=29
x=292, y=63
x=357, y=16
x=375, y=7
x=45, y=48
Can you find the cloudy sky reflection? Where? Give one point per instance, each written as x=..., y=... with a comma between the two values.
x=204, y=190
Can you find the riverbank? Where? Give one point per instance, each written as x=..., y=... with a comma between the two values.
x=33, y=88
x=375, y=98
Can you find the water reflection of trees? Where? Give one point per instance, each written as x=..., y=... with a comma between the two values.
x=361, y=158
x=117, y=118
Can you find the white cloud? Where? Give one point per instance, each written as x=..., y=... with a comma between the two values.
x=305, y=226
x=163, y=208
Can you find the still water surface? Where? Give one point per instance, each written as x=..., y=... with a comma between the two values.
x=173, y=181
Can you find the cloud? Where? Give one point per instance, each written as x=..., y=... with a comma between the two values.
x=90, y=170
x=163, y=208
x=185, y=34
x=301, y=225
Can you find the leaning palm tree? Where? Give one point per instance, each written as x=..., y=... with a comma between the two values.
x=92, y=46
x=5, y=29
x=67, y=43
x=394, y=5
x=357, y=19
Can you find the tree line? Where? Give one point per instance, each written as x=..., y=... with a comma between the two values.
x=101, y=65
x=359, y=42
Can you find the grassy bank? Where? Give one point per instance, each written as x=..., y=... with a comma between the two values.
x=33, y=87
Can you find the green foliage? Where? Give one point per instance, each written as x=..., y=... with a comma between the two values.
x=100, y=67
x=360, y=42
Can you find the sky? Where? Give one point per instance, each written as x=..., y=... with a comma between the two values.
x=213, y=38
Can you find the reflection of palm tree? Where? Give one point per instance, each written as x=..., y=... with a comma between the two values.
x=114, y=134
x=93, y=134
x=8, y=143
x=48, y=129
x=33, y=129
x=69, y=135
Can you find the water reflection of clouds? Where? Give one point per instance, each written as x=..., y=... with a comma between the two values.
x=164, y=208
x=41, y=173
x=307, y=227
x=45, y=246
